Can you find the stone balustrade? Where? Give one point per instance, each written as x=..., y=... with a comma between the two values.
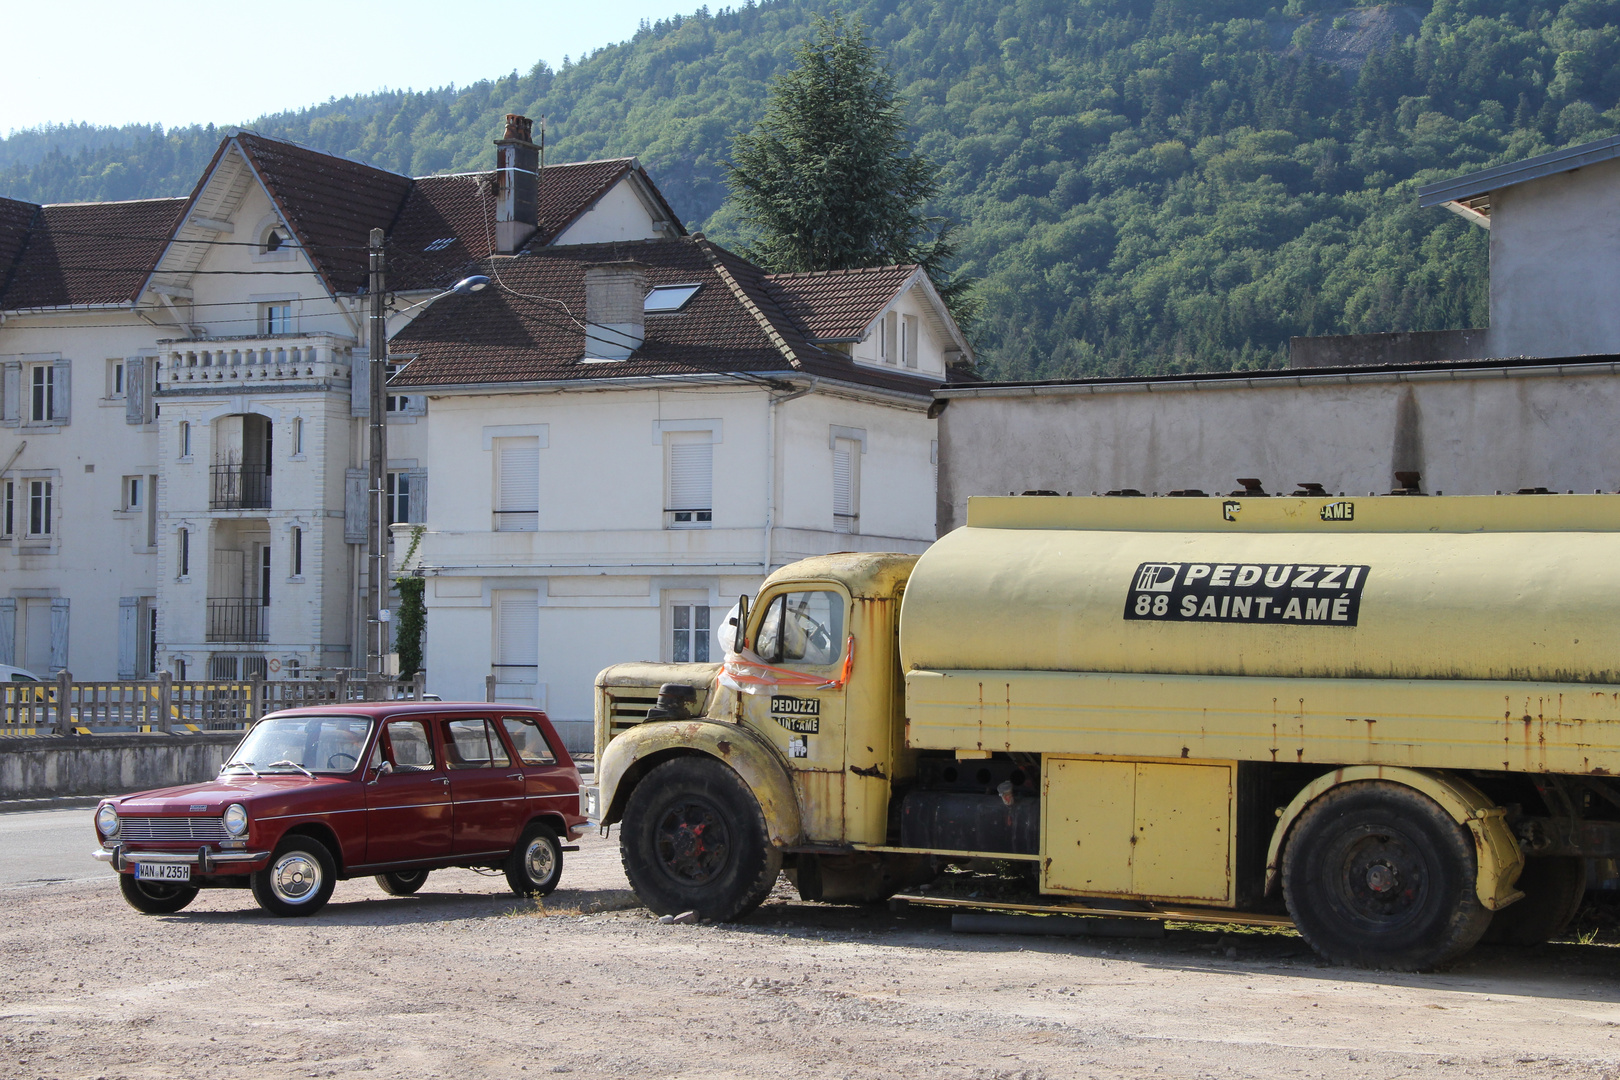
x=291, y=358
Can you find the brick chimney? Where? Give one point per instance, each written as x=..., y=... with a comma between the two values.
x=517, y=185
x=615, y=312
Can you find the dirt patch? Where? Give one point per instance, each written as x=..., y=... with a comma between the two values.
x=466, y=980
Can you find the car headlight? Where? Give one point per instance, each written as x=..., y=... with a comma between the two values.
x=236, y=819
x=107, y=820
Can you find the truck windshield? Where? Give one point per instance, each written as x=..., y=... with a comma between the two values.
x=803, y=627
x=320, y=744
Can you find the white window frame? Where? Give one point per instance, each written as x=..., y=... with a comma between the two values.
x=696, y=635
x=185, y=440
x=134, y=493
x=276, y=318
x=849, y=443
x=685, y=454
x=516, y=511
x=182, y=553
x=512, y=663
x=297, y=438
x=8, y=509
x=41, y=508
x=116, y=387
x=295, y=554
x=909, y=329
x=399, y=494
x=41, y=393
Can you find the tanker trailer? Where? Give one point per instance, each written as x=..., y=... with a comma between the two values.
x=1390, y=721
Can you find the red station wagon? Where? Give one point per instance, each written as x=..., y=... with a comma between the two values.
x=394, y=789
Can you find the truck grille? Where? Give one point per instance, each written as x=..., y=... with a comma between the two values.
x=171, y=828
x=625, y=712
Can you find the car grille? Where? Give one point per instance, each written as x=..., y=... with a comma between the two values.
x=171, y=828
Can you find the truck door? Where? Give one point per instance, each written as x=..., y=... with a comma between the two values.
x=803, y=638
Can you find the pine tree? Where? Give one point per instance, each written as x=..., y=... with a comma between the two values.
x=827, y=179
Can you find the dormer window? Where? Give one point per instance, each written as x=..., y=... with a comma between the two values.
x=272, y=241
x=668, y=299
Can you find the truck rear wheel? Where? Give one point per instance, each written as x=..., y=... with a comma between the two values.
x=1553, y=889
x=1379, y=875
x=693, y=839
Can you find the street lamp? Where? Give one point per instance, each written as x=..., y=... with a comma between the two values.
x=377, y=533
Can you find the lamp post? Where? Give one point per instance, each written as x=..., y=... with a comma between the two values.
x=377, y=613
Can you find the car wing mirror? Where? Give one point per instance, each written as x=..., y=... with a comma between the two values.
x=382, y=770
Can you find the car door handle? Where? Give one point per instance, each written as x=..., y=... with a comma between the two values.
x=443, y=780
x=514, y=776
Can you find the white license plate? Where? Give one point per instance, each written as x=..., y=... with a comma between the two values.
x=147, y=871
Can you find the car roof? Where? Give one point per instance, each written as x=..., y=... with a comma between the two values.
x=405, y=708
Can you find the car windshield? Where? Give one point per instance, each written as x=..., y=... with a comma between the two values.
x=318, y=744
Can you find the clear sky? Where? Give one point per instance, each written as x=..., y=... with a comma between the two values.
x=227, y=62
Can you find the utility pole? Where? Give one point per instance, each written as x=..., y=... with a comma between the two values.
x=377, y=525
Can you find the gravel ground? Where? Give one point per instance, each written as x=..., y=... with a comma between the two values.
x=466, y=980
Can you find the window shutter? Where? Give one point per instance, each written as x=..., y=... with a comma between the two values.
x=8, y=630
x=11, y=393
x=128, y=609
x=414, y=404
x=846, y=456
x=62, y=394
x=518, y=483
x=59, y=634
x=691, y=470
x=354, y=506
x=517, y=636
x=135, y=390
x=418, y=508
x=360, y=384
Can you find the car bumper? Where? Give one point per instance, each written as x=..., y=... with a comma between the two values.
x=205, y=860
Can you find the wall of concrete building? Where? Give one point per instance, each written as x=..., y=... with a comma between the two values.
x=38, y=767
x=1555, y=256
x=1468, y=431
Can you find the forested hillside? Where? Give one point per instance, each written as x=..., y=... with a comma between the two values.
x=1142, y=185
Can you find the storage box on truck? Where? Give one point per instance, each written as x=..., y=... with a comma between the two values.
x=1395, y=719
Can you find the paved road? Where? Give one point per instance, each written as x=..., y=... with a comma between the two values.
x=40, y=846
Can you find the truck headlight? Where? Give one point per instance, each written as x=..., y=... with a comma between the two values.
x=107, y=820
x=236, y=819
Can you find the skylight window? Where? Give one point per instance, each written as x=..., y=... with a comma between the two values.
x=668, y=299
x=441, y=244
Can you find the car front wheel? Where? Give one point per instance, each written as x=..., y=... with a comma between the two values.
x=535, y=865
x=155, y=897
x=298, y=880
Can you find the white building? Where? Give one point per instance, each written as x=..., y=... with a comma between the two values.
x=639, y=432
x=184, y=389
x=1555, y=248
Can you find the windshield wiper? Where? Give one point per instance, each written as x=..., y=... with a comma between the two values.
x=248, y=765
x=294, y=764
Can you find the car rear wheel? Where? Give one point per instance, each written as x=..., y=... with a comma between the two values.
x=155, y=897
x=535, y=865
x=1379, y=875
x=298, y=880
x=402, y=882
x=693, y=838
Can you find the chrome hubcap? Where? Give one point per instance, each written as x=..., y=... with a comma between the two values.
x=539, y=859
x=295, y=877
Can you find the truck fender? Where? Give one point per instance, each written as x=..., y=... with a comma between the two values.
x=634, y=751
x=1499, y=856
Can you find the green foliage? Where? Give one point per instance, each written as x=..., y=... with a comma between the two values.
x=826, y=179
x=411, y=618
x=1142, y=185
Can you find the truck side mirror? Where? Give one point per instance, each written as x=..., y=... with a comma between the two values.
x=740, y=638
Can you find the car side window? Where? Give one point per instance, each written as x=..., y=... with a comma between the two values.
x=802, y=628
x=472, y=744
x=529, y=739
x=407, y=745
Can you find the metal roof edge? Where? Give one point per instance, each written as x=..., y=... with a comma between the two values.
x=1519, y=172
x=1512, y=367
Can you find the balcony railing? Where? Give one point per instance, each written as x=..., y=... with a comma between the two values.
x=291, y=358
x=240, y=487
x=237, y=618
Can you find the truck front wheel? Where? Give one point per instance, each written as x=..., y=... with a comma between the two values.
x=1378, y=875
x=693, y=839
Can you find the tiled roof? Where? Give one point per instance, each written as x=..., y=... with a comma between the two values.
x=86, y=253
x=838, y=305
x=332, y=203
x=16, y=218
x=528, y=327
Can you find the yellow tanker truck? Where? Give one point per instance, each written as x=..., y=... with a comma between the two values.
x=1393, y=721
